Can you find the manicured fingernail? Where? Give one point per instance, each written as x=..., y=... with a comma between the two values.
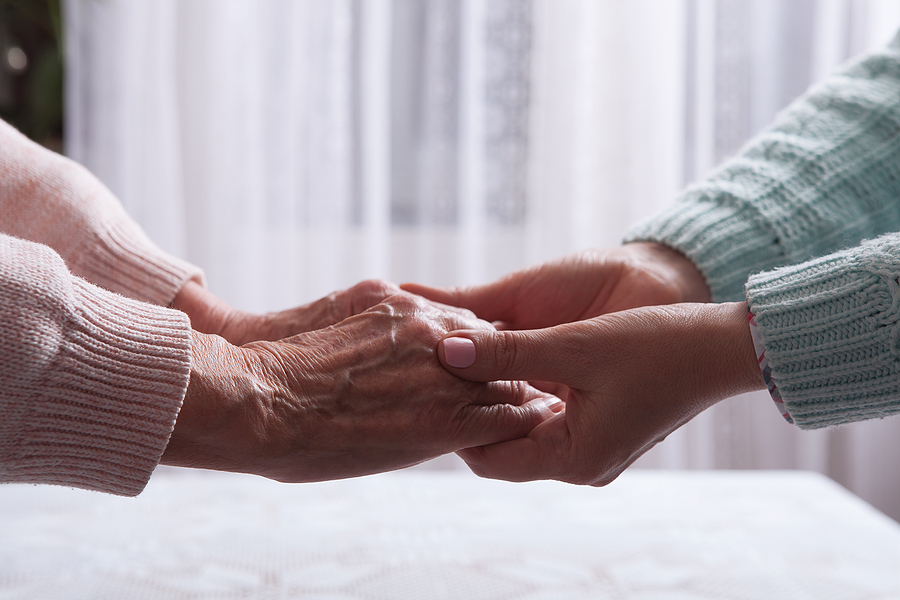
x=459, y=352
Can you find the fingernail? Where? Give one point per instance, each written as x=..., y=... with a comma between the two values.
x=554, y=405
x=459, y=352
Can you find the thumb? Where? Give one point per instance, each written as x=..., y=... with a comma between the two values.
x=555, y=354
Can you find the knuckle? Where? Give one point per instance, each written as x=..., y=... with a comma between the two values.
x=376, y=288
x=404, y=302
x=473, y=321
x=509, y=354
x=509, y=419
x=462, y=318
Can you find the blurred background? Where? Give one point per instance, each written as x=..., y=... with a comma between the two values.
x=31, y=76
x=294, y=147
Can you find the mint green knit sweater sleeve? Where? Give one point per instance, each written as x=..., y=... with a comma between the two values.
x=830, y=328
x=783, y=224
x=824, y=176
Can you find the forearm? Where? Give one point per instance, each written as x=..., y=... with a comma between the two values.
x=49, y=199
x=208, y=313
x=221, y=397
x=829, y=328
x=90, y=381
x=672, y=269
x=718, y=347
x=826, y=174
x=680, y=359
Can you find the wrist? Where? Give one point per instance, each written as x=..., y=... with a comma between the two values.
x=206, y=311
x=674, y=269
x=214, y=428
x=211, y=315
x=692, y=356
x=727, y=354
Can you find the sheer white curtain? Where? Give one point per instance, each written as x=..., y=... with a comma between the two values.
x=293, y=147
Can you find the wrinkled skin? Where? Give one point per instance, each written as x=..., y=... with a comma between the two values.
x=364, y=395
x=210, y=314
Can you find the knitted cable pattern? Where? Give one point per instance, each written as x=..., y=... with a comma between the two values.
x=824, y=176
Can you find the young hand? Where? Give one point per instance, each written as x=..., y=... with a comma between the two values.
x=580, y=286
x=633, y=377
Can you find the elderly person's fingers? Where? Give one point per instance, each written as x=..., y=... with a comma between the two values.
x=362, y=396
x=326, y=311
x=491, y=302
x=209, y=314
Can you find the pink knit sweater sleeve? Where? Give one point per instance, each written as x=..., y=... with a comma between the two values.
x=90, y=381
x=47, y=198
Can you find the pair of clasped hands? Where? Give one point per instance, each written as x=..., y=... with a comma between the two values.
x=569, y=370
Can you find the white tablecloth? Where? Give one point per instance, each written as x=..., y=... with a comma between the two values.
x=436, y=535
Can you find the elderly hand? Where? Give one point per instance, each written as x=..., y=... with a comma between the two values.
x=633, y=378
x=580, y=286
x=210, y=314
x=359, y=397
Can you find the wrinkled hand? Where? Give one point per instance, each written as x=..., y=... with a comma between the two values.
x=633, y=377
x=209, y=314
x=362, y=396
x=580, y=286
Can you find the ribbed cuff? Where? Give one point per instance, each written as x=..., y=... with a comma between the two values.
x=829, y=328
x=110, y=399
x=726, y=241
x=125, y=261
